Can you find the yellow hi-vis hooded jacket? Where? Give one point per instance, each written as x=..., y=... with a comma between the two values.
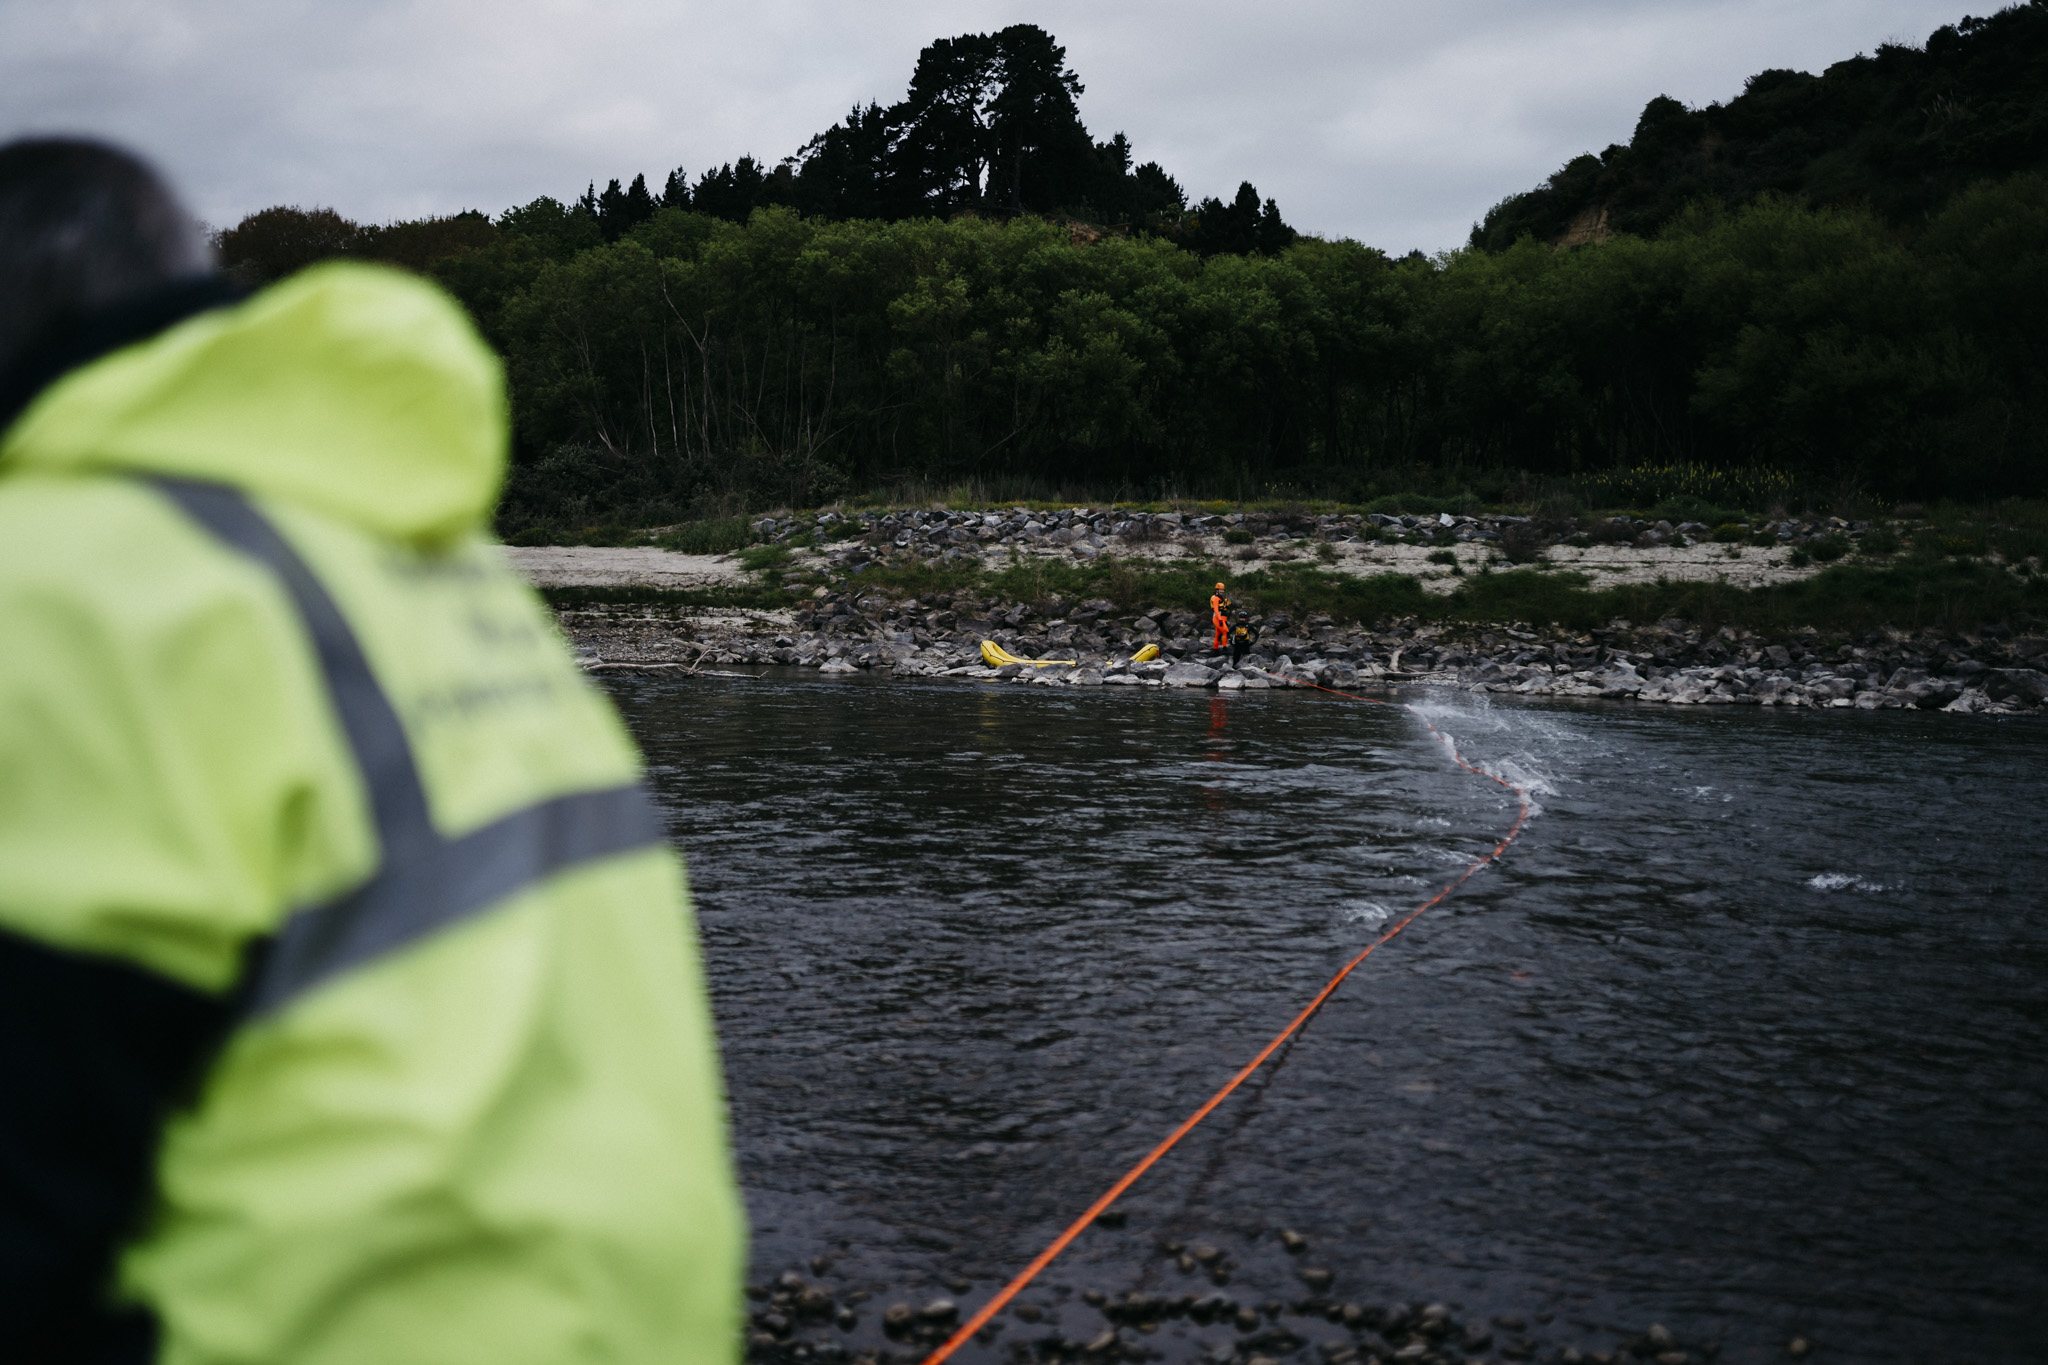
x=279, y=729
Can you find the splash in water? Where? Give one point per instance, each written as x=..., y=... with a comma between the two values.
x=1538, y=743
x=1842, y=881
x=1371, y=914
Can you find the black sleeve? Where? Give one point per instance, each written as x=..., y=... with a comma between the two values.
x=94, y=1054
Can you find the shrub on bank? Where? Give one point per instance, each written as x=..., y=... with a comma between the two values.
x=718, y=537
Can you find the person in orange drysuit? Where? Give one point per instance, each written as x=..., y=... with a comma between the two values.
x=1219, y=617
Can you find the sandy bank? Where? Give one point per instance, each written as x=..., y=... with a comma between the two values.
x=584, y=566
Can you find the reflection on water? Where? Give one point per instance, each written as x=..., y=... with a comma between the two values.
x=1746, y=1036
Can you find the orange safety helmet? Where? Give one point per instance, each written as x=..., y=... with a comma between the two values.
x=1219, y=587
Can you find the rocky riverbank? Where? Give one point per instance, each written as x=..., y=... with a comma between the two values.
x=1435, y=549
x=825, y=1317
x=1992, y=671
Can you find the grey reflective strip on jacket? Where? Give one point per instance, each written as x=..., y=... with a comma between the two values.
x=424, y=881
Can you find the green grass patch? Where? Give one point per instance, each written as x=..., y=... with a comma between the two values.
x=764, y=558
x=720, y=536
x=1937, y=543
x=1682, y=509
x=1302, y=590
x=1691, y=492
x=1950, y=594
x=917, y=580
x=2016, y=529
x=1420, y=505
x=1828, y=549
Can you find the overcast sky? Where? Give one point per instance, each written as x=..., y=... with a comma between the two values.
x=1395, y=123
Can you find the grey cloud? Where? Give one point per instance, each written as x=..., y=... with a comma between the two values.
x=1398, y=124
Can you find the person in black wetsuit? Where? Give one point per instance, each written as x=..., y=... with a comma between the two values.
x=1243, y=635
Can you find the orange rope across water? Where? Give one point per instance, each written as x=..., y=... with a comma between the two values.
x=1129, y=1178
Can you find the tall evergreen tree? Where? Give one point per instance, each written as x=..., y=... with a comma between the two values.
x=1040, y=154
x=848, y=170
x=1273, y=236
x=1156, y=192
x=990, y=121
x=611, y=211
x=939, y=155
x=639, y=204
x=1244, y=226
x=732, y=191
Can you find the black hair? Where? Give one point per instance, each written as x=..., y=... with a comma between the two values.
x=86, y=230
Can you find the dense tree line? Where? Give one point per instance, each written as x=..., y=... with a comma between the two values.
x=696, y=360
x=732, y=342
x=273, y=242
x=1901, y=130
x=788, y=359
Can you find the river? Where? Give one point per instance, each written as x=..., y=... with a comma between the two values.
x=1747, y=1036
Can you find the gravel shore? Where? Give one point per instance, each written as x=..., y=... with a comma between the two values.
x=845, y=630
x=1671, y=661
x=822, y=1316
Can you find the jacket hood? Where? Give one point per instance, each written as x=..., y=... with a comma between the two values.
x=355, y=390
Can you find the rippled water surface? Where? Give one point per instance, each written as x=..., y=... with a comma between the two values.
x=1748, y=1035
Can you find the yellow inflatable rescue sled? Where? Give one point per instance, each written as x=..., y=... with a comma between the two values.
x=995, y=656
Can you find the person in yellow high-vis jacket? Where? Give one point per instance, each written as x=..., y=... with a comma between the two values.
x=350, y=1006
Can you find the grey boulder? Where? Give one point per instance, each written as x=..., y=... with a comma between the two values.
x=2028, y=686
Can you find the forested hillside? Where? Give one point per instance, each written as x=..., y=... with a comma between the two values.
x=698, y=352
x=1900, y=131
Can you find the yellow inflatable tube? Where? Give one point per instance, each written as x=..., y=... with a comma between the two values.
x=995, y=656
